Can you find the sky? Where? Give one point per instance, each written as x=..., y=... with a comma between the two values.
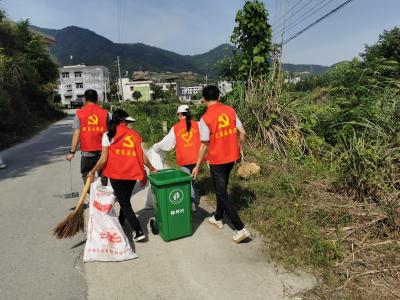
x=197, y=26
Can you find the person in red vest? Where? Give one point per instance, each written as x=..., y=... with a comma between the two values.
x=184, y=136
x=122, y=160
x=90, y=123
x=222, y=139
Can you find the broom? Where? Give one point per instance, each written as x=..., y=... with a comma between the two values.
x=74, y=222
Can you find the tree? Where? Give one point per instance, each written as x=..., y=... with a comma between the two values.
x=136, y=95
x=158, y=93
x=171, y=97
x=252, y=38
x=387, y=47
x=27, y=80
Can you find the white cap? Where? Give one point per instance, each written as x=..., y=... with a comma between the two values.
x=183, y=108
x=129, y=119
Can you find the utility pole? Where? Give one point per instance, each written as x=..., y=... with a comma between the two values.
x=120, y=79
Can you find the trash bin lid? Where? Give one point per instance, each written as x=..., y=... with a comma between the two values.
x=169, y=176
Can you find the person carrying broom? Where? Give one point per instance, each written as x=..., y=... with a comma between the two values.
x=122, y=160
x=90, y=123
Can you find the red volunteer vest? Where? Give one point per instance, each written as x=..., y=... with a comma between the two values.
x=187, y=143
x=224, y=144
x=125, y=156
x=93, y=123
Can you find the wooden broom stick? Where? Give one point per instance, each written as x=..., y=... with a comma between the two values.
x=75, y=221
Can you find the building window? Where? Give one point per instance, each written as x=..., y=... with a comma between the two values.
x=69, y=87
x=79, y=85
x=68, y=98
x=131, y=88
x=78, y=74
x=65, y=75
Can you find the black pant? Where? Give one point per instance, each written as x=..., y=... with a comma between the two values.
x=87, y=164
x=220, y=178
x=123, y=191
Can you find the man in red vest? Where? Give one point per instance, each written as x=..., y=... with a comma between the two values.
x=90, y=123
x=222, y=139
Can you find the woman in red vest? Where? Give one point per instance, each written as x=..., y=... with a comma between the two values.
x=122, y=160
x=184, y=136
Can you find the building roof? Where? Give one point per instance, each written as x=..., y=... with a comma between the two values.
x=83, y=66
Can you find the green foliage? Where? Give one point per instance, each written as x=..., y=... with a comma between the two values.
x=136, y=95
x=266, y=113
x=252, y=38
x=157, y=92
x=171, y=97
x=367, y=167
x=387, y=47
x=27, y=81
x=150, y=117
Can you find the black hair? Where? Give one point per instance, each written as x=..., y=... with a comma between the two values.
x=210, y=93
x=91, y=96
x=117, y=117
x=188, y=120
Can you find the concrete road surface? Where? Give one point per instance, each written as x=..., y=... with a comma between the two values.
x=34, y=265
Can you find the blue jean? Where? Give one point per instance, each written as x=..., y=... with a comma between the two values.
x=194, y=191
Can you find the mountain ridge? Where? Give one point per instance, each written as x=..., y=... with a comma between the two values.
x=90, y=48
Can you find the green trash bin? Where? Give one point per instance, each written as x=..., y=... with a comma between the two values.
x=172, y=210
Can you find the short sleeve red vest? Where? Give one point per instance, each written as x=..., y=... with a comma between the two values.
x=125, y=156
x=187, y=143
x=224, y=144
x=93, y=123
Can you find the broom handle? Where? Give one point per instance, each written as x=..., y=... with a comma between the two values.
x=84, y=193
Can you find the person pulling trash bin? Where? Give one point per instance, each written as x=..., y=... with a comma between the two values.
x=122, y=160
x=222, y=139
x=184, y=136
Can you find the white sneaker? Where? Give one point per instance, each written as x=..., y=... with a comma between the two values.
x=240, y=235
x=214, y=222
x=194, y=208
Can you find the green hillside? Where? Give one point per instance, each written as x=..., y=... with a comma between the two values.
x=90, y=48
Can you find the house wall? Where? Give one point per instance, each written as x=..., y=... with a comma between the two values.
x=92, y=77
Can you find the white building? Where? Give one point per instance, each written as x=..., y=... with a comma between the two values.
x=192, y=90
x=294, y=80
x=225, y=87
x=129, y=86
x=168, y=86
x=75, y=80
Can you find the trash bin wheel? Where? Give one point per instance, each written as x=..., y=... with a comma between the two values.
x=153, y=226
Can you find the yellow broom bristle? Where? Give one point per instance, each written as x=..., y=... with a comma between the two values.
x=71, y=225
x=74, y=222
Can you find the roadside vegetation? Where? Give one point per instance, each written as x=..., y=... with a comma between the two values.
x=329, y=151
x=328, y=196
x=27, y=80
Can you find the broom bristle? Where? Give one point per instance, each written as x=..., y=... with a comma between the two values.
x=71, y=225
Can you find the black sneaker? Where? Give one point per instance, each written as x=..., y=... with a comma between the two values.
x=139, y=236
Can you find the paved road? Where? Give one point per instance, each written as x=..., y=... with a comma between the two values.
x=34, y=265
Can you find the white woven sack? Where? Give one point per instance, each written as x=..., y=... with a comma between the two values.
x=106, y=240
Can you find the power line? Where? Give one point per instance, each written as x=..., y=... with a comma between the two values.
x=288, y=11
x=317, y=21
x=306, y=15
x=284, y=20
